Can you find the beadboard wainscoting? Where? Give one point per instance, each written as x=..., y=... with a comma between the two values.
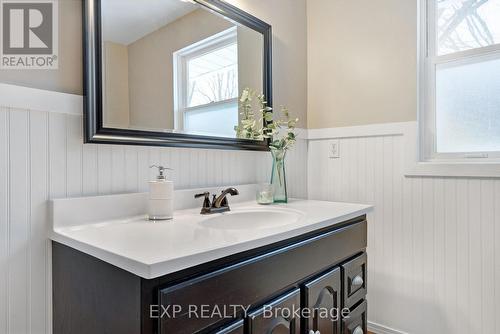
x=42, y=156
x=433, y=242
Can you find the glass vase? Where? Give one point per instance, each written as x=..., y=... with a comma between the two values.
x=278, y=177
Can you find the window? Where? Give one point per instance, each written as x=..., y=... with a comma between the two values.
x=460, y=80
x=206, y=85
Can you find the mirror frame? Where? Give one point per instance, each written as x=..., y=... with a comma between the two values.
x=94, y=130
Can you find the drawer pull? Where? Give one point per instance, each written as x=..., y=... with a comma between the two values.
x=356, y=282
x=358, y=330
x=313, y=332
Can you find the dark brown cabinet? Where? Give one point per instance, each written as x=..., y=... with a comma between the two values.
x=322, y=299
x=323, y=271
x=277, y=317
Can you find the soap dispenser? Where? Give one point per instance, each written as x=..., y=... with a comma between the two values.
x=161, y=193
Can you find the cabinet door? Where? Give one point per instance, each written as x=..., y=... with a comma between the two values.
x=356, y=322
x=322, y=298
x=235, y=328
x=354, y=280
x=282, y=316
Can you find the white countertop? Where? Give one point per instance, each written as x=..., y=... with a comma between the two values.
x=152, y=249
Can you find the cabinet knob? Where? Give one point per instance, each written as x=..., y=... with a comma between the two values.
x=358, y=330
x=357, y=281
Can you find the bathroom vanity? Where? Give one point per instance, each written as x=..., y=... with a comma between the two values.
x=200, y=274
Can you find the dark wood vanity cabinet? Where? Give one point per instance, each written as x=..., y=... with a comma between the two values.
x=313, y=282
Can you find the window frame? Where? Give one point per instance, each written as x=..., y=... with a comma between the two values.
x=180, y=75
x=428, y=63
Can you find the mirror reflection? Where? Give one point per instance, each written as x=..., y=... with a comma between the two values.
x=175, y=66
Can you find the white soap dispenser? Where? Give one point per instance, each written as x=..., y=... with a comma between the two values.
x=161, y=193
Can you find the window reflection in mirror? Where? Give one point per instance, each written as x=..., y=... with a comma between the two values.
x=175, y=66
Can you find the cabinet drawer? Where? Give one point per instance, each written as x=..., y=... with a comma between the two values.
x=320, y=294
x=354, y=273
x=277, y=317
x=356, y=322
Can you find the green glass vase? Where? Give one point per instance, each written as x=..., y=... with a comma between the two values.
x=278, y=177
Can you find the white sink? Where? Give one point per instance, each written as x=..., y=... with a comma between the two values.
x=252, y=219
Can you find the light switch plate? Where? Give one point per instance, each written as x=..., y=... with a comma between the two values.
x=334, y=149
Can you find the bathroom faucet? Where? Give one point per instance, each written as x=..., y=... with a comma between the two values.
x=219, y=204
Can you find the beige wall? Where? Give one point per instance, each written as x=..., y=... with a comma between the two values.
x=116, y=86
x=151, y=66
x=68, y=78
x=289, y=50
x=361, y=67
x=361, y=62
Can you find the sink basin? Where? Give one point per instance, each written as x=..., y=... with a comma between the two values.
x=252, y=219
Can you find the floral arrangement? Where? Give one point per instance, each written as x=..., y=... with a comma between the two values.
x=280, y=129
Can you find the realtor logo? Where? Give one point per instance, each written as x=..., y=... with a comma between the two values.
x=29, y=34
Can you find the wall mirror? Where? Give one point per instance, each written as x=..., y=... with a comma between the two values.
x=169, y=72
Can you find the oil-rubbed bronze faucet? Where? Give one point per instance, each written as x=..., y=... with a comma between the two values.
x=219, y=204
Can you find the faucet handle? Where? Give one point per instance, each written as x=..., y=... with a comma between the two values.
x=206, y=194
x=206, y=201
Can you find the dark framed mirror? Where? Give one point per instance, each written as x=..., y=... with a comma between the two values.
x=169, y=72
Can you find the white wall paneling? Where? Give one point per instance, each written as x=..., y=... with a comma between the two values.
x=42, y=156
x=433, y=242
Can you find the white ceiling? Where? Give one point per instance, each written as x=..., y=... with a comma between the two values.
x=125, y=21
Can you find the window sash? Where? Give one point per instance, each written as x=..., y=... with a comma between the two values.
x=429, y=60
x=180, y=75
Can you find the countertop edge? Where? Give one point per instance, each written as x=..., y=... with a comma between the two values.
x=135, y=267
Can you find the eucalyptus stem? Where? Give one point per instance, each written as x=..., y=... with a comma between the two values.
x=279, y=129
